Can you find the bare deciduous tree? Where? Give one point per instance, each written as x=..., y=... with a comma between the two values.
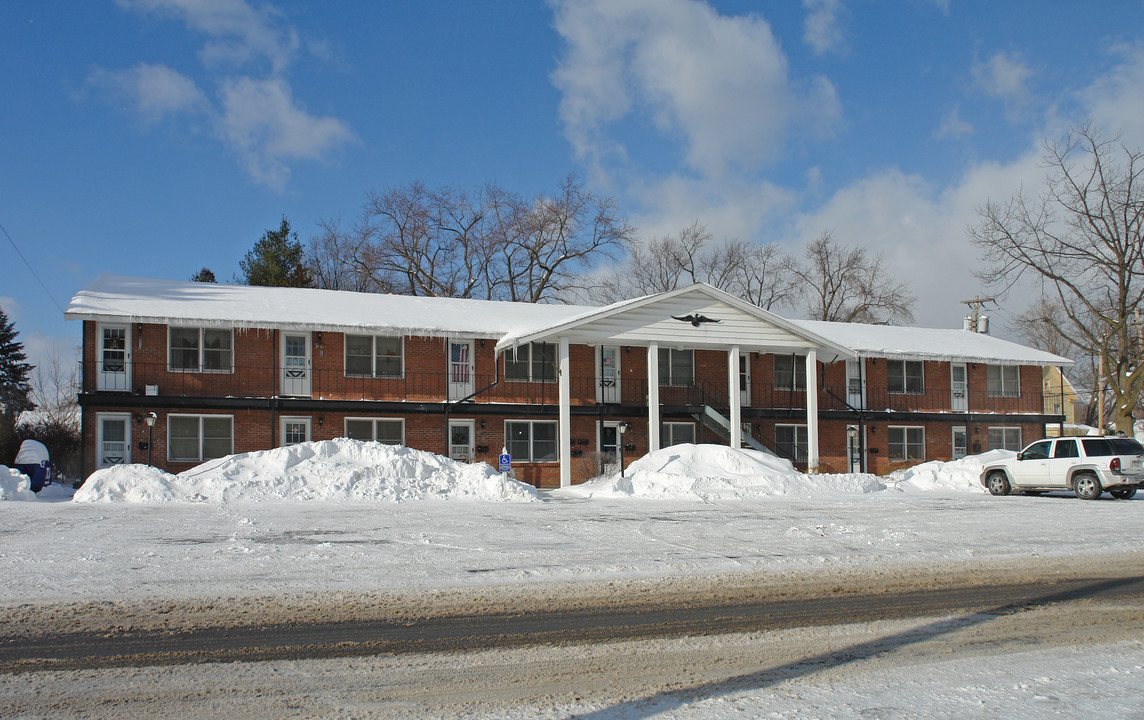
x=842, y=284
x=1081, y=241
x=489, y=244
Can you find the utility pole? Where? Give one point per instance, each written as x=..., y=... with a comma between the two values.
x=977, y=303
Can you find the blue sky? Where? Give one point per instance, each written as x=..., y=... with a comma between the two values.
x=153, y=137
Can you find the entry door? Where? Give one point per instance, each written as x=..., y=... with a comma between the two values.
x=854, y=448
x=609, y=448
x=114, y=440
x=113, y=364
x=958, y=388
x=295, y=430
x=461, y=440
x=745, y=379
x=960, y=443
x=461, y=383
x=296, y=364
x=608, y=370
x=855, y=385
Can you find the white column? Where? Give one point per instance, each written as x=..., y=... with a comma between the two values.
x=733, y=388
x=565, y=423
x=812, y=411
x=652, y=397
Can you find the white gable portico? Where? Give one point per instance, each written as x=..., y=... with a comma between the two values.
x=695, y=317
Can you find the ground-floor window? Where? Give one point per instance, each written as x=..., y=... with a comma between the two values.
x=195, y=438
x=295, y=430
x=907, y=444
x=1005, y=438
x=791, y=442
x=387, y=431
x=676, y=433
x=531, y=440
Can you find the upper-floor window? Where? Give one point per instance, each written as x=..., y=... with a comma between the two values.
x=790, y=372
x=534, y=362
x=1003, y=380
x=905, y=377
x=676, y=367
x=367, y=355
x=193, y=348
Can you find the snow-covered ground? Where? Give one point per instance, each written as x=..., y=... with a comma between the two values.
x=341, y=519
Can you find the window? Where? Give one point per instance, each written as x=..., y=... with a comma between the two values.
x=194, y=349
x=531, y=440
x=1003, y=380
x=791, y=442
x=1038, y=451
x=676, y=367
x=1005, y=438
x=907, y=444
x=1065, y=449
x=535, y=362
x=790, y=372
x=676, y=433
x=905, y=377
x=385, y=431
x=368, y=356
x=195, y=438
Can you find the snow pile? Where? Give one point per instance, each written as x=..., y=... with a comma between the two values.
x=15, y=485
x=956, y=476
x=716, y=472
x=339, y=470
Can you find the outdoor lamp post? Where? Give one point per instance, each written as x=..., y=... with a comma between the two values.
x=621, y=429
x=151, y=418
x=852, y=445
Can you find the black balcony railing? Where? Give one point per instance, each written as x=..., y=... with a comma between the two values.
x=434, y=387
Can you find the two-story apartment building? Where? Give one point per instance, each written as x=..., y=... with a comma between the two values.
x=229, y=368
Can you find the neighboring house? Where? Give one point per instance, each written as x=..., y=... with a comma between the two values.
x=232, y=368
x=1061, y=399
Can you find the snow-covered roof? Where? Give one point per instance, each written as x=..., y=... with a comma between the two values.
x=914, y=343
x=145, y=300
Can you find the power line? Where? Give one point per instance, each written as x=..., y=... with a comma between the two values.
x=31, y=269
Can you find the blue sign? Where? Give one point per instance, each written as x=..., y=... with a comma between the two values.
x=505, y=463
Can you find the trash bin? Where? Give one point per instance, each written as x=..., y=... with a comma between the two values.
x=33, y=461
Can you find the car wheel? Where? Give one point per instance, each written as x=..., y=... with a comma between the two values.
x=1123, y=493
x=997, y=483
x=1087, y=486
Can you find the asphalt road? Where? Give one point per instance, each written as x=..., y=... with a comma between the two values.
x=665, y=617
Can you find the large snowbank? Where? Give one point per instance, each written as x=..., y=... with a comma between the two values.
x=331, y=470
x=15, y=485
x=716, y=472
x=956, y=476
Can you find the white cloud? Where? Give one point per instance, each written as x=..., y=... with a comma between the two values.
x=10, y=307
x=155, y=91
x=266, y=127
x=952, y=126
x=1005, y=76
x=236, y=32
x=718, y=83
x=1115, y=101
x=823, y=28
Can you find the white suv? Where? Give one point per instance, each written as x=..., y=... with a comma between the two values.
x=1087, y=465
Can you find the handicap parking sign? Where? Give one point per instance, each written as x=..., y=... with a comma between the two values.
x=505, y=463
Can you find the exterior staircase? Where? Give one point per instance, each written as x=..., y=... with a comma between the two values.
x=717, y=421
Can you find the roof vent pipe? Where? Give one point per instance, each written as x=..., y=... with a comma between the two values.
x=983, y=324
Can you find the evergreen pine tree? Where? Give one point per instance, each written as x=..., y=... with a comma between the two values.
x=15, y=388
x=277, y=259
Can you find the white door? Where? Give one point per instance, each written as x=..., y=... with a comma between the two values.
x=461, y=440
x=296, y=364
x=745, y=379
x=114, y=440
x=608, y=445
x=608, y=371
x=853, y=448
x=113, y=361
x=295, y=430
x=960, y=443
x=855, y=385
x=958, y=388
x=461, y=383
